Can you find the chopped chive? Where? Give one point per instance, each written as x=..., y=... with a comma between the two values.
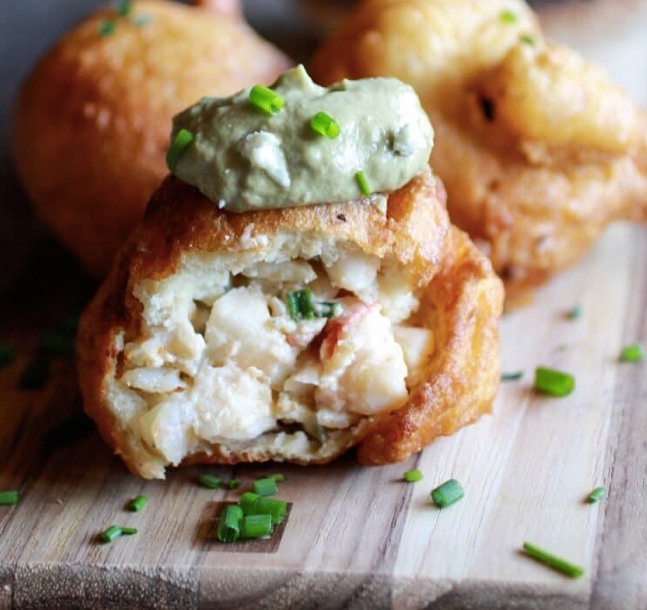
x=527, y=39
x=512, y=376
x=128, y=531
x=112, y=533
x=124, y=8
x=265, y=487
x=234, y=484
x=279, y=477
x=632, y=353
x=7, y=354
x=447, y=494
x=553, y=382
x=207, y=480
x=265, y=99
x=106, y=27
x=323, y=124
x=178, y=147
x=56, y=343
x=9, y=498
x=34, y=375
x=508, y=16
x=413, y=476
x=552, y=561
x=362, y=182
x=327, y=310
x=141, y=20
x=300, y=305
x=230, y=525
x=574, y=313
x=248, y=502
x=596, y=495
x=257, y=526
x=271, y=506
x=138, y=504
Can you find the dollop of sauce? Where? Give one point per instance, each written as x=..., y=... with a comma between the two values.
x=244, y=159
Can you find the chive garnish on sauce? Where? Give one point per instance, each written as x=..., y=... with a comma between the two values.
x=596, y=495
x=632, y=353
x=552, y=561
x=447, y=494
x=257, y=526
x=9, y=498
x=362, y=182
x=265, y=487
x=138, y=504
x=413, y=476
x=508, y=16
x=209, y=481
x=231, y=523
x=512, y=376
x=527, y=39
x=106, y=27
x=323, y=124
x=553, y=382
x=7, y=354
x=178, y=147
x=263, y=98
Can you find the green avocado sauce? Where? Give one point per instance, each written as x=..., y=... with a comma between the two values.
x=244, y=158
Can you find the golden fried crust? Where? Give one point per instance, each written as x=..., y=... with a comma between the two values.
x=537, y=149
x=461, y=304
x=93, y=119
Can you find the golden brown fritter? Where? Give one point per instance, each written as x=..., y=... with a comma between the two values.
x=537, y=149
x=183, y=245
x=93, y=119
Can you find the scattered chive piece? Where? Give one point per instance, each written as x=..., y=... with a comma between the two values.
x=112, y=533
x=124, y=8
x=324, y=125
x=265, y=487
x=413, y=476
x=265, y=99
x=632, y=353
x=552, y=561
x=575, y=313
x=208, y=480
x=138, y=503
x=552, y=382
x=257, y=526
x=7, y=354
x=300, y=305
x=277, y=509
x=9, y=498
x=279, y=477
x=34, y=375
x=362, y=182
x=234, y=484
x=248, y=502
x=447, y=494
x=178, y=147
x=527, y=39
x=57, y=343
x=141, y=20
x=508, y=16
x=230, y=524
x=512, y=376
x=596, y=495
x=106, y=27
x=128, y=531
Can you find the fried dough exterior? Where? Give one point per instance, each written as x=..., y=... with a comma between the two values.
x=461, y=302
x=537, y=149
x=93, y=119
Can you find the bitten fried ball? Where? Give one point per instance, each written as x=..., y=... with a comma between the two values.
x=538, y=150
x=291, y=334
x=92, y=120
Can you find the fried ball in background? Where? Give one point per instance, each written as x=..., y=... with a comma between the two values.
x=190, y=353
x=538, y=150
x=92, y=121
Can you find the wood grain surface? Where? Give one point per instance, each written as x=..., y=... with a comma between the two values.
x=355, y=537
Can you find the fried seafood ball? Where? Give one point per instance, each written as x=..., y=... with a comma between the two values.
x=92, y=120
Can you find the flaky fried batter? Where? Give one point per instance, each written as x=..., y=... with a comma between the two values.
x=179, y=253
x=92, y=121
x=537, y=149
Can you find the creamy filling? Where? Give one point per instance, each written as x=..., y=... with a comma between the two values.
x=235, y=366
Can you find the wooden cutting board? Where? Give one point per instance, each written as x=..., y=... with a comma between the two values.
x=356, y=537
